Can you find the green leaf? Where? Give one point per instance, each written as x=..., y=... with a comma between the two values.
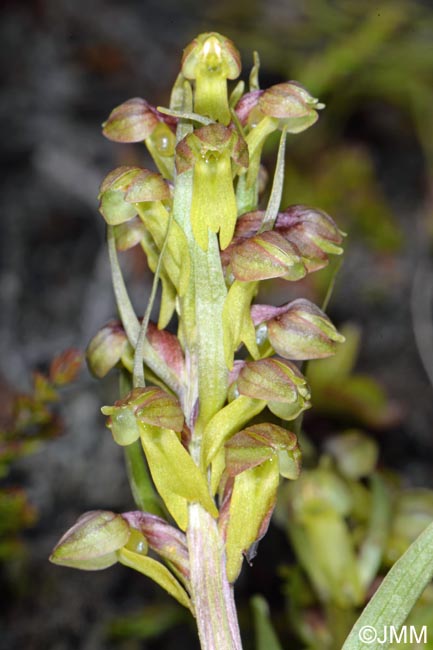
x=266, y=639
x=177, y=478
x=168, y=296
x=157, y=572
x=398, y=592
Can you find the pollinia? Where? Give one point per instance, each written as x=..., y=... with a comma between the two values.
x=204, y=469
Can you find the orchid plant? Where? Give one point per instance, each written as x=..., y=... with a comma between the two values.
x=207, y=416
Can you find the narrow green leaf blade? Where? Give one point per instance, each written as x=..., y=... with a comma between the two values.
x=398, y=592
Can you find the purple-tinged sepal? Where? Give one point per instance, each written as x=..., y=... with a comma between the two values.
x=266, y=255
x=306, y=235
x=291, y=104
x=314, y=234
x=277, y=381
x=124, y=187
x=298, y=330
x=136, y=121
x=286, y=106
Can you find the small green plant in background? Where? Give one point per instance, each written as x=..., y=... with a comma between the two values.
x=202, y=413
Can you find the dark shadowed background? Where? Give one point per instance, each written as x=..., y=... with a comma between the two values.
x=369, y=162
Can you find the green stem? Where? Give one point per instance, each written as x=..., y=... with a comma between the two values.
x=200, y=317
x=212, y=594
x=200, y=330
x=139, y=480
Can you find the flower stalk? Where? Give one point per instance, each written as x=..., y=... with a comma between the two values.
x=188, y=400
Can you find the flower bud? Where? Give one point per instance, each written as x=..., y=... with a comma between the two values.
x=278, y=382
x=91, y=544
x=211, y=59
x=150, y=405
x=267, y=255
x=125, y=186
x=287, y=105
x=310, y=235
x=259, y=443
x=210, y=151
x=106, y=348
x=133, y=121
x=136, y=120
x=298, y=330
x=312, y=232
x=292, y=104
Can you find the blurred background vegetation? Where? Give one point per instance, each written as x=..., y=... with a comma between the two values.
x=368, y=162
